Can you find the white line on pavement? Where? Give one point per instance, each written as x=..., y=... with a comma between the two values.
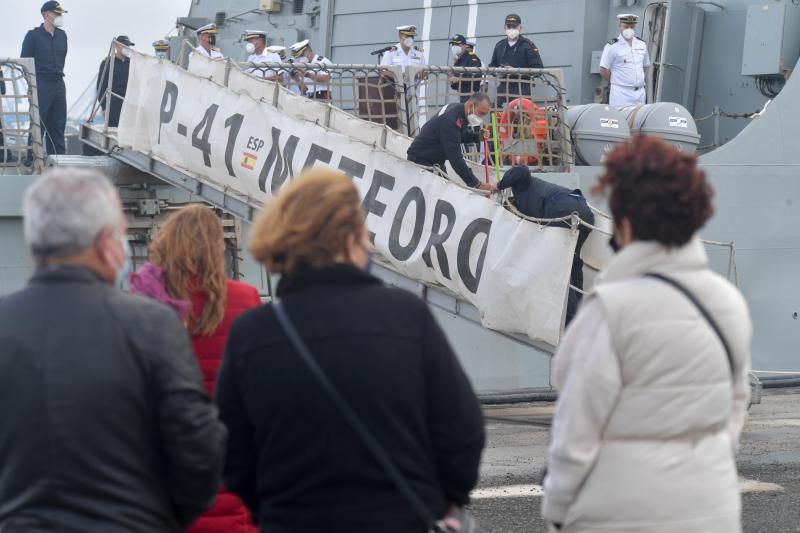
x=508, y=491
x=746, y=486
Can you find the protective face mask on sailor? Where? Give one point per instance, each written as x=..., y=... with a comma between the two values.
x=58, y=22
x=628, y=33
x=127, y=52
x=512, y=33
x=408, y=41
x=455, y=50
x=250, y=48
x=474, y=120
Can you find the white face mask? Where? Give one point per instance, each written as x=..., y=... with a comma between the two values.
x=455, y=50
x=512, y=33
x=474, y=120
x=628, y=33
x=250, y=47
x=409, y=42
x=58, y=22
x=127, y=52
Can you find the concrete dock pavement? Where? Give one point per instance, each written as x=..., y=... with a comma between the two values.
x=509, y=495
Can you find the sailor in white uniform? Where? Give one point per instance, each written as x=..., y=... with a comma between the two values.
x=280, y=51
x=313, y=83
x=255, y=43
x=623, y=64
x=206, y=39
x=404, y=53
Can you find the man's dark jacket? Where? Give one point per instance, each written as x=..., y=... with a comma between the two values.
x=440, y=140
x=523, y=54
x=119, y=86
x=49, y=52
x=467, y=84
x=291, y=455
x=538, y=198
x=106, y=425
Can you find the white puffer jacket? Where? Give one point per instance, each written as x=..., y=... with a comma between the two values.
x=649, y=416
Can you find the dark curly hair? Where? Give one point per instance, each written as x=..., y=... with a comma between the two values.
x=658, y=189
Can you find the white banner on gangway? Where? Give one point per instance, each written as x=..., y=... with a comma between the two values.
x=514, y=271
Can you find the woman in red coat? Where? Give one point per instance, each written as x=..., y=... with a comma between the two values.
x=190, y=251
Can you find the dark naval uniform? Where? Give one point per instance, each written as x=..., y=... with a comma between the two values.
x=440, y=140
x=538, y=198
x=49, y=53
x=523, y=54
x=469, y=83
x=119, y=86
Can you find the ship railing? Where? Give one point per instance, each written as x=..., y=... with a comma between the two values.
x=21, y=150
x=527, y=119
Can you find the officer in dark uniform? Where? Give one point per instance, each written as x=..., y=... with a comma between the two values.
x=47, y=45
x=541, y=199
x=441, y=137
x=119, y=85
x=466, y=84
x=518, y=52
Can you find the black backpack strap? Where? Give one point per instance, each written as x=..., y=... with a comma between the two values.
x=703, y=311
x=354, y=421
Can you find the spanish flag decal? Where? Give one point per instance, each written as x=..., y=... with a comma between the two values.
x=249, y=160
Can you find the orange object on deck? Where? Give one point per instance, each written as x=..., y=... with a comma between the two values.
x=522, y=119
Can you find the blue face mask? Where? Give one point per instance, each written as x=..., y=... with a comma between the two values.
x=127, y=266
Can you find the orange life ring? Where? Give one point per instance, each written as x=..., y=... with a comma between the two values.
x=522, y=119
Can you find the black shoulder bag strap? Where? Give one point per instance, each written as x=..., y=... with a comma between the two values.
x=354, y=421
x=703, y=311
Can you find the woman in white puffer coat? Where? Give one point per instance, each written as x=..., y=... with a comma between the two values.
x=651, y=400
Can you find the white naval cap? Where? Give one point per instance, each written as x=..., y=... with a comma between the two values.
x=249, y=34
x=297, y=48
x=277, y=49
x=472, y=42
x=628, y=18
x=208, y=28
x=410, y=30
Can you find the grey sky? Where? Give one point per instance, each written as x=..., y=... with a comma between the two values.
x=90, y=25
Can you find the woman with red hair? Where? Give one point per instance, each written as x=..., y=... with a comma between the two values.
x=653, y=372
x=187, y=272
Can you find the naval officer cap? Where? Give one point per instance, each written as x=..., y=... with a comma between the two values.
x=124, y=39
x=628, y=18
x=458, y=39
x=277, y=49
x=254, y=34
x=208, y=28
x=513, y=19
x=298, y=48
x=55, y=7
x=408, y=30
x=161, y=45
x=471, y=43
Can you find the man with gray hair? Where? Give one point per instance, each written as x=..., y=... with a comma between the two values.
x=106, y=423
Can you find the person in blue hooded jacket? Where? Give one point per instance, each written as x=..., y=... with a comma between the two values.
x=538, y=198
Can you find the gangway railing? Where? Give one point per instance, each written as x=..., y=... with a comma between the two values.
x=21, y=150
x=527, y=105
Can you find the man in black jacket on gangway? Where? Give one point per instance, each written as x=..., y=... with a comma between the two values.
x=538, y=198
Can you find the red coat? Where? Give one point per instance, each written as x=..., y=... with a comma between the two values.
x=228, y=514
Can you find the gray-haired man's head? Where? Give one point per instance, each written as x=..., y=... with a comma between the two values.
x=74, y=216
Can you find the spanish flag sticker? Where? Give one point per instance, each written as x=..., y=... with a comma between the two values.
x=249, y=160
